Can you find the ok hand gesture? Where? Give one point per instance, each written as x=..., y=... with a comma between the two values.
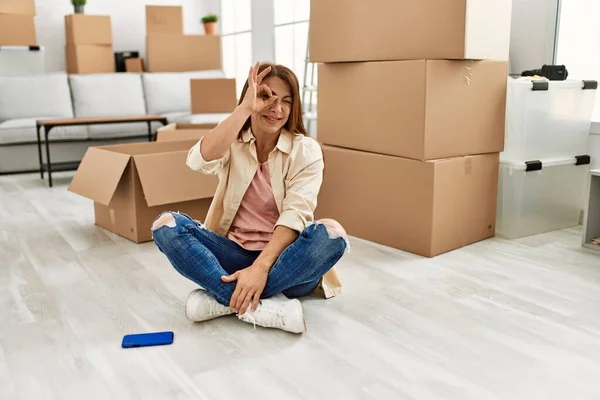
x=257, y=96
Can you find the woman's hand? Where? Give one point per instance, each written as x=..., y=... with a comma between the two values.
x=257, y=96
x=250, y=284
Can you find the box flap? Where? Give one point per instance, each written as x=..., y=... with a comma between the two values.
x=171, y=127
x=166, y=179
x=183, y=134
x=174, y=132
x=139, y=148
x=184, y=126
x=99, y=174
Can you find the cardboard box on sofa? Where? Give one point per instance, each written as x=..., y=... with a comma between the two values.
x=213, y=96
x=424, y=207
x=88, y=29
x=164, y=19
x=358, y=30
x=176, y=131
x=420, y=109
x=17, y=30
x=132, y=184
x=89, y=59
x=180, y=53
x=20, y=7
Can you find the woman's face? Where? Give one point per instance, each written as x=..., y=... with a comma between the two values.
x=271, y=119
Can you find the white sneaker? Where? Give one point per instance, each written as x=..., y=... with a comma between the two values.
x=277, y=312
x=201, y=306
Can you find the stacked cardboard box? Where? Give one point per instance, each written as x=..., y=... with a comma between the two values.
x=169, y=50
x=88, y=47
x=17, y=23
x=134, y=65
x=411, y=117
x=213, y=96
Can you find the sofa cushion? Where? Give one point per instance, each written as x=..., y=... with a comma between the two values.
x=23, y=131
x=168, y=92
x=107, y=95
x=206, y=118
x=30, y=96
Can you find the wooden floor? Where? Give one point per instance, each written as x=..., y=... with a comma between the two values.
x=496, y=320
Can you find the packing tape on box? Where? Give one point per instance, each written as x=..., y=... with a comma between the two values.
x=113, y=219
x=469, y=73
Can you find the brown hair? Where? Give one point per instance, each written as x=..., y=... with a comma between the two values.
x=295, y=123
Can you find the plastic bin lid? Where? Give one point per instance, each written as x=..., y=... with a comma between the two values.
x=549, y=162
x=567, y=84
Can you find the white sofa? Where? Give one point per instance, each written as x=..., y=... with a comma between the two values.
x=24, y=99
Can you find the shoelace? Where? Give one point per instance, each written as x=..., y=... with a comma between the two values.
x=218, y=309
x=270, y=316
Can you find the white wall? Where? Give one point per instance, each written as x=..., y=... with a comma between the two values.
x=533, y=34
x=263, y=40
x=128, y=23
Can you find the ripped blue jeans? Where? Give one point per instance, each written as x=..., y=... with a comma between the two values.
x=204, y=257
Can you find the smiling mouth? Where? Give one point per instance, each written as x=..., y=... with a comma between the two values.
x=272, y=119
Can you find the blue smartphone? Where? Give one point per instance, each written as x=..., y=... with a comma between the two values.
x=147, y=339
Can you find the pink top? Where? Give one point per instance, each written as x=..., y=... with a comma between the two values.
x=253, y=225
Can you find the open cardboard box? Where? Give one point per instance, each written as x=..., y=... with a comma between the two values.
x=175, y=131
x=424, y=207
x=213, y=96
x=132, y=184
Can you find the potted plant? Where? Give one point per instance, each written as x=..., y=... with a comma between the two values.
x=78, y=4
x=210, y=24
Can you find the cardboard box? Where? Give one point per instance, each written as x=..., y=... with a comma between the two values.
x=417, y=109
x=20, y=7
x=88, y=29
x=121, y=56
x=188, y=132
x=358, y=30
x=424, y=207
x=213, y=96
x=17, y=30
x=164, y=19
x=180, y=53
x=132, y=184
x=89, y=59
x=134, y=65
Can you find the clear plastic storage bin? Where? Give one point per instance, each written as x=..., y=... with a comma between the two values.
x=21, y=60
x=547, y=119
x=537, y=197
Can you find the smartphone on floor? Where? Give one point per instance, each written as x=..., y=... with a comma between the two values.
x=147, y=339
